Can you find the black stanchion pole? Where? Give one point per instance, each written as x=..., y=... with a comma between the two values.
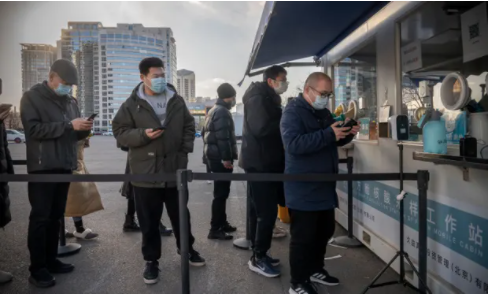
x=63, y=248
x=350, y=200
x=349, y=240
x=182, y=183
x=423, y=186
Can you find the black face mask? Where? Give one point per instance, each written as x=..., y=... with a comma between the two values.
x=230, y=104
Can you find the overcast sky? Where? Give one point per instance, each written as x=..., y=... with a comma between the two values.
x=214, y=39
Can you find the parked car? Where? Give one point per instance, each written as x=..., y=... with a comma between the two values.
x=15, y=136
x=108, y=133
x=198, y=134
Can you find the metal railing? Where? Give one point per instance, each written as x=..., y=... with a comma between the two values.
x=183, y=177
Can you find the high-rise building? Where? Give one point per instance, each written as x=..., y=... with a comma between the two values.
x=36, y=61
x=186, y=85
x=108, y=58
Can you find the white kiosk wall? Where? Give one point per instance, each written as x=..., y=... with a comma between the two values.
x=457, y=209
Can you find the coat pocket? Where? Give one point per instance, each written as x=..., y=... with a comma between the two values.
x=145, y=164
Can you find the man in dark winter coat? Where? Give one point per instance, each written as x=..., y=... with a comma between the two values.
x=262, y=152
x=130, y=224
x=6, y=167
x=311, y=137
x=220, y=151
x=157, y=127
x=53, y=127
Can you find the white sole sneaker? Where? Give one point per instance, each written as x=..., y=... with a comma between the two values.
x=259, y=271
x=291, y=291
x=314, y=280
x=151, y=282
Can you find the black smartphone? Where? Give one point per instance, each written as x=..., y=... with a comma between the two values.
x=349, y=124
x=159, y=129
x=92, y=117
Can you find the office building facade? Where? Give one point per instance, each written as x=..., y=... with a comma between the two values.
x=36, y=62
x=107, y=59
x=186, y=85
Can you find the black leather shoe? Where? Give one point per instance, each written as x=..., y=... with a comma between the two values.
x=58, y=267
x=42, y=279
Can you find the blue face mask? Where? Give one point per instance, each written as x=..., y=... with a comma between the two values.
x=158, y=85
x=320, y=102
x=62, y=89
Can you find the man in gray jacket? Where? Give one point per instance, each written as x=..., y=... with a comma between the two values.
x=53, y=126
x=156, y=126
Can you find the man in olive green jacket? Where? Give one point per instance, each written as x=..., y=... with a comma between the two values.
x=156, y=126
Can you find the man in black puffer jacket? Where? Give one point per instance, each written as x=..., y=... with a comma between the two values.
x=220, y=151
x=262, y=152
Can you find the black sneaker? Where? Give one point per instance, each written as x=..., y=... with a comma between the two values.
x=219, y=235
x=228, y=228
x=166, y=232
x=151, y=272
x=195, y=258
x=322, y=277
x=130, y=224
x=42, y=279
x=303, y=288
x=58, y=267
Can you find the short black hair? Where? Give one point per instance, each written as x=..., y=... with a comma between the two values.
x=273, y=72
x=150, y=62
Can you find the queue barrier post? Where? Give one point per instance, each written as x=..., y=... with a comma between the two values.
x=182, y=178
x=63, y=248
x=349, y=241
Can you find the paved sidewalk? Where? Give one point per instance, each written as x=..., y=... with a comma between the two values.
x=113, y=263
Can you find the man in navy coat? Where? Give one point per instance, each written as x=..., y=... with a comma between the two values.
x=311, y=137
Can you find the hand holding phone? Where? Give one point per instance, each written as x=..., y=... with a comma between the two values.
x=158, y=129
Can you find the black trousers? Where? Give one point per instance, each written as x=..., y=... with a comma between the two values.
x=48, y=203
x=221, y=194
x=264, y=198
x=310, y=231
x=149, y=208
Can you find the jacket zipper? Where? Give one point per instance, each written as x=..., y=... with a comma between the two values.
x=40, y=153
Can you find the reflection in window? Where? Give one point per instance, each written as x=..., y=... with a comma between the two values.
x=355, y=81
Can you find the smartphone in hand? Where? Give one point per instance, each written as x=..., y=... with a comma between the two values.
x=351, y=123
x=92, y=117
x=159, y=129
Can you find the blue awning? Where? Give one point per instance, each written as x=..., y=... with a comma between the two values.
x=295, y=30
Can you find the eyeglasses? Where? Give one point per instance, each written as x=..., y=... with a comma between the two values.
x=329, y=95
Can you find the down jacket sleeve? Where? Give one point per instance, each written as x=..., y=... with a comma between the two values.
x=295, y=139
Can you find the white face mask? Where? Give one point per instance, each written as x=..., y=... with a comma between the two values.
x=282, y=87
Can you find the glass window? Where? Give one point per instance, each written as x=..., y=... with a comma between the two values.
x=118, y=36
x=427, y=56
x=142, y=38
x=126, y=36
x=110, y=35
x=150, y=40
x=134, y=37
x=355, y=80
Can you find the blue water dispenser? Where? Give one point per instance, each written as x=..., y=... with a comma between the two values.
x=434, y=132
